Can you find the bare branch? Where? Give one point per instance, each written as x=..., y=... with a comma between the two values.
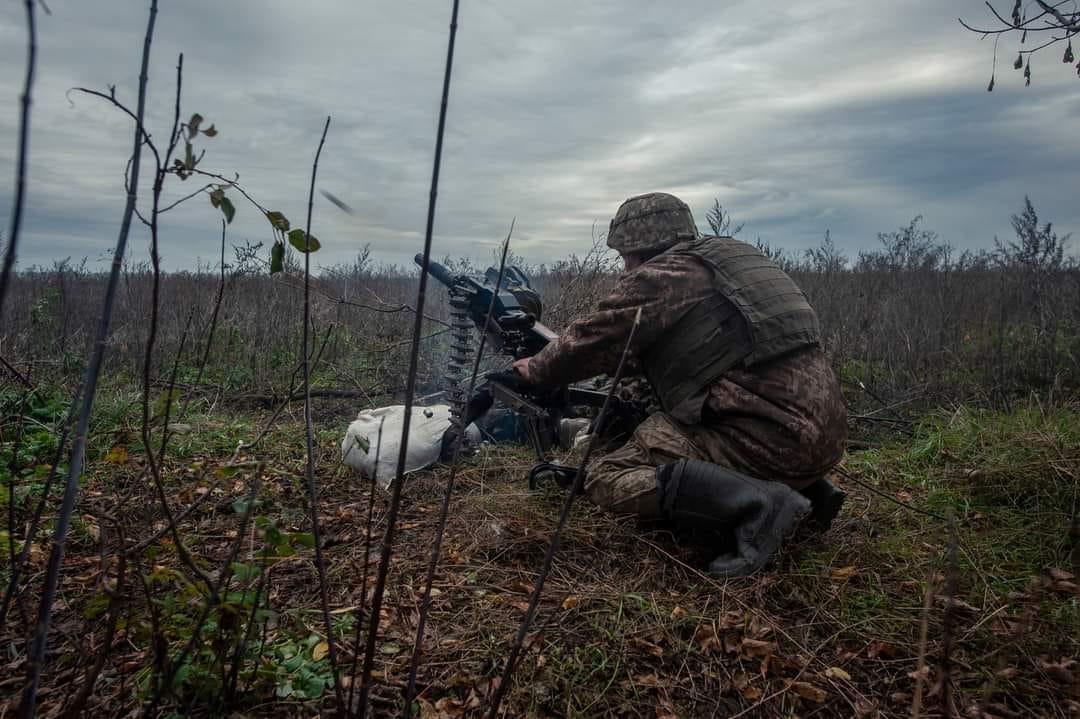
x=23, y=152
x=309, y=432
x=410, y=386
x=36, y=654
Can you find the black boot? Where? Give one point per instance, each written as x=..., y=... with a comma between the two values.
x=826, y=500
x=759, y=513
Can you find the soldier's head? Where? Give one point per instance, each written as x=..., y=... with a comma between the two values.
x=646, y=225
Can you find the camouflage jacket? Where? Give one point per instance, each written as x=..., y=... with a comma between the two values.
x=788, y=403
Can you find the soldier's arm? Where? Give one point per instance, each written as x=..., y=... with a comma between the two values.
x=664, y=288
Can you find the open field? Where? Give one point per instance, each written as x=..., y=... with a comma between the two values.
x=629, y=625
x=961, y=375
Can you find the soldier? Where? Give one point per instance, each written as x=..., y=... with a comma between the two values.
x=752, y=415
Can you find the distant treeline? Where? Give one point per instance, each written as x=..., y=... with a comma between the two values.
x=911, y=316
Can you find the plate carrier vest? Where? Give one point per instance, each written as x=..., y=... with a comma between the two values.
x=756, y=314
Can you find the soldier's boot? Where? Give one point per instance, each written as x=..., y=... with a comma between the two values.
x=758, y=513
x=825, y=500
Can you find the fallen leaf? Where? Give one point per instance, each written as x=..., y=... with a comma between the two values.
x=522, y=607
x=320, y=650
x=117, y=455
x=427, y=709
x=1007, y=673
x=840, y=574
x=570, y=602
x=1058, y=671
x=809, y=692
x=647, y=680
x=665, y=710
x=732, y=619
x=91, y=528
x=958, y=605
x=647, y=647
x=1060, y=574
x=998, y=711
x=678, y=613
x=837, y=673
x=866, y=709
x=706, y=638
x=449, y=708
x=750, y=694
x=390, y=648
x=757, y=648
x=918, y=674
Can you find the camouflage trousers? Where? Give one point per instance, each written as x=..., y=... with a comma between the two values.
x=624, y=480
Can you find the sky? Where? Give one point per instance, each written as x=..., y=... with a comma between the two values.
x=799, y=117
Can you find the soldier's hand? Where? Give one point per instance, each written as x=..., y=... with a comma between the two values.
x=521, y=367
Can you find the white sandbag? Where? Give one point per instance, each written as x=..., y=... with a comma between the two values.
x=374, y=451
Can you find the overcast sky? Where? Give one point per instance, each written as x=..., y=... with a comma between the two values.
x=845, y=115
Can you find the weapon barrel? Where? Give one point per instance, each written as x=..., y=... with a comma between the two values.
x=435, y=270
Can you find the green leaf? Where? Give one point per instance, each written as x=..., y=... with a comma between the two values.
x=193, y=125
x=363, y=443
x=296, y=239
x=304, y=539
x=217, y=196
x=227, y=209
x=278, y=220
x=245, y=572
x=277, y=257
x=210, y=131
x=314, y=687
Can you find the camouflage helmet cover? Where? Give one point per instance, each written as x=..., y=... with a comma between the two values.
x=650, y=223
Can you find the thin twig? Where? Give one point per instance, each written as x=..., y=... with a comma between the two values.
x=444, y=510
x=870, y=488
x=949, y=618
x=309, y=433
x=153, y=461
x=16, y=373
x=36, y=655
x=571, y=495
x=367, y=563
x=410, y=386
x=23, y=152
x=924, y=633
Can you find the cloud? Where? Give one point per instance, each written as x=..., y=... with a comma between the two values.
x=802, y=117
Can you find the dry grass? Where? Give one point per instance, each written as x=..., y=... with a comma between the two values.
x=629, y=625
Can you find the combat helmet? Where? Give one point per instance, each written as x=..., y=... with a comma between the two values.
x=650, y=223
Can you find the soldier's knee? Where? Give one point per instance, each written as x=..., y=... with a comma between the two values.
x=628, y=491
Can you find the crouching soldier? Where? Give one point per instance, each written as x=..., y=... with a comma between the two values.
x=752, y=413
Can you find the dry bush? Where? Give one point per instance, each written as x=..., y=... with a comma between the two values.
x=912, y=314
